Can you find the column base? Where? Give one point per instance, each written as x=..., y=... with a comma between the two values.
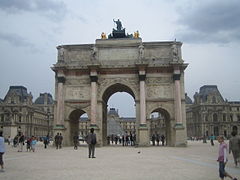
x=143, y=135
x=59, y=127
x=179, y=126
x=181, y=139
x=94, y=126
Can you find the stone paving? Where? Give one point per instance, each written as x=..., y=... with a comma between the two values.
x=196, y=162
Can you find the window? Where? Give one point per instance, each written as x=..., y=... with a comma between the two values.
x=231, y=118
x=238, y=117
x=206, y=117
x=2, y=117
x=224, y=117
x=215, y=118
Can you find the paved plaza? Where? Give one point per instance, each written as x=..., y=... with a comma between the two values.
x=196, y=162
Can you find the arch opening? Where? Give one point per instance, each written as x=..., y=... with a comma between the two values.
x=117, y=126
x=78, y=125
x=160, y=127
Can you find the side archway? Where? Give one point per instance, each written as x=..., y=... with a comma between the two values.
x=160, y=125
x=73, y=124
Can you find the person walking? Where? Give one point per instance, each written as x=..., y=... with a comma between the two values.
x=56, y=140
x=91, y=141
x=28, y=142
x=20, y=142
x=75, y=141
x=153, y=139
x=158, y=139
x=211, y=139
x=2, y=150
x=163, y=140
x=60, y=140
x=45, y=141
x=234, y=147
x=222, y=159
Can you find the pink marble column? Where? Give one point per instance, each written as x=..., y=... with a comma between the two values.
x=93, y=102
x=142, y=77
x=142, y=103
x=60, y=101
x=94, y=79
x=177, y=97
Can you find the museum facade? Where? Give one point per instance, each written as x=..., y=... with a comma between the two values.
x=211, y=114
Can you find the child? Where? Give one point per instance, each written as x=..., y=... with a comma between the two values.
x=28, y=144
x=222, y=158
x=33, y=143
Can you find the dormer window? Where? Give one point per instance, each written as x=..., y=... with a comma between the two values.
x=214, y=100
x=215, y=118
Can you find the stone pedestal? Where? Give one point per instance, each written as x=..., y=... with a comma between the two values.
x=143, y=136
x=181, y=139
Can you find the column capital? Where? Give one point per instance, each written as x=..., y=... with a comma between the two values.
x=176, y=77
x=61, y=79
x=93, y=78
x=142, y=77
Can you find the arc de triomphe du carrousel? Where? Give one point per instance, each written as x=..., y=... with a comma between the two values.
x=151, y=72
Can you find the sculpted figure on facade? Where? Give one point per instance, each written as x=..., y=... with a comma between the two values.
x=136, y=34
x=103, y=35
x=174, y=52
x=93, y=53
x=141, y=51
x=61, y=53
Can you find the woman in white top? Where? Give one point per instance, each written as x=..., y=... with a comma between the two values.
x=2, y=151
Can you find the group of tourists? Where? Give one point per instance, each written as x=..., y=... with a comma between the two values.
x=20, y=140
x=156, y=138
x=125, y=139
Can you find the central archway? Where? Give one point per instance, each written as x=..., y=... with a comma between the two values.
x=112, y=89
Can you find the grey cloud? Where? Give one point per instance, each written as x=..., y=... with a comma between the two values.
x=212, y=21
x=15, y=40
x=52, y=9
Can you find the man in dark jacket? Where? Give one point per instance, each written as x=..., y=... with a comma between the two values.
x=91, y=141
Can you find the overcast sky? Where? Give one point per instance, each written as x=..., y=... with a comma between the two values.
x=209, y=29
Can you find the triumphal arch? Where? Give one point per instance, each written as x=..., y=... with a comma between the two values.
x=151, y=72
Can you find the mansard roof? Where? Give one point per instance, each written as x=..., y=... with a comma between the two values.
x=20, y=91
x=41, y=98
x=209, y=89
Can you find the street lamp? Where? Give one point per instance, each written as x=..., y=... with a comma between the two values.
x=48, y=120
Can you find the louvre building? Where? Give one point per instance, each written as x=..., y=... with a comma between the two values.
x=18, y=113
x=210, y=114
